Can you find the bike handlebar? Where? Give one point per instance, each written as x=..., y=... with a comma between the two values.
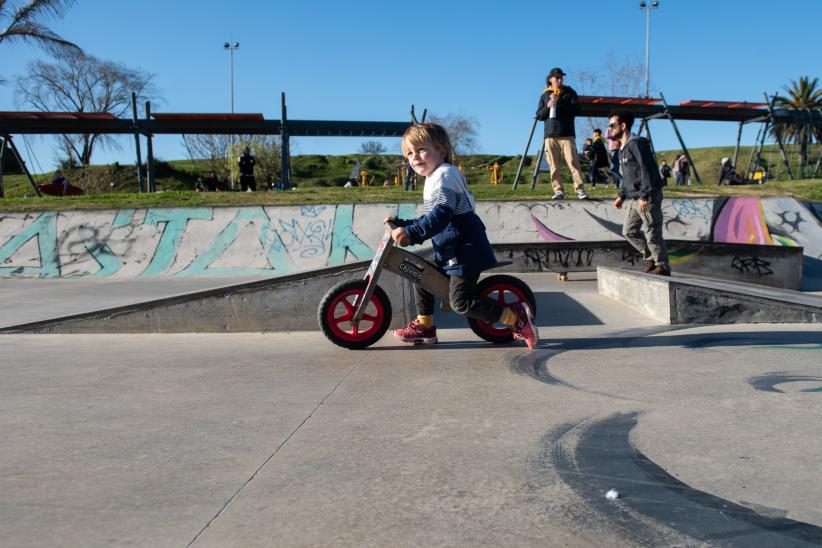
x=391, y=225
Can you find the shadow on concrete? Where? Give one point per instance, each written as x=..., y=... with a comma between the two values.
x=553, y=308
x=696, y=340
x=455, y=345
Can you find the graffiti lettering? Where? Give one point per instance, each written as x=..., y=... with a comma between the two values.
x=752, y=264
x=547, y=259
x=274, y=240
x=630, y=255
x=689, y=208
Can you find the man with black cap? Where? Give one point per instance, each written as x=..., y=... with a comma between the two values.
x=558, y=107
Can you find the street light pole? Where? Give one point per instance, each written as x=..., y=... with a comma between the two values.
x=230, y=47
x=647, y=7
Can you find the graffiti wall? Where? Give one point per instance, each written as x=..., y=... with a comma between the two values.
x=272, y=241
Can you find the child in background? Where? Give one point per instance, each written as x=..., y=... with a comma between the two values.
x=461, y=246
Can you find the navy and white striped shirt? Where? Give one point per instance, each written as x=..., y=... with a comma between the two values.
x=446, y=186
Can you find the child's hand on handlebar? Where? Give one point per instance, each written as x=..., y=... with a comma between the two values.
x=390, y=219
x=400, y=237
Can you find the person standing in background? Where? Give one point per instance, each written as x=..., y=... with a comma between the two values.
x=558, y=107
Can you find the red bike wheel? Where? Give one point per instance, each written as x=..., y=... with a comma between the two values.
x=337, y=309
x=506, y=290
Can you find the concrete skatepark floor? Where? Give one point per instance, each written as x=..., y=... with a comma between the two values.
x=709, y=433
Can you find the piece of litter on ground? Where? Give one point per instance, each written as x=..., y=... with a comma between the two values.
x=612, y=494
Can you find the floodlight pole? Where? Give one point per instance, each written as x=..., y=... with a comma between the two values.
x=230, y=47
x=647, y=6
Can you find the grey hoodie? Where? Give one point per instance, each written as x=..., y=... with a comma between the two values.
x=640, y=173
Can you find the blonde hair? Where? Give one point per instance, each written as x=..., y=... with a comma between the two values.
x=427, y=134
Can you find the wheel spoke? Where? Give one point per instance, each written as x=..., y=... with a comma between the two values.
x=346, y=315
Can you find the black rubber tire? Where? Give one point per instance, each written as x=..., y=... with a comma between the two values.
x=501, y=280
x=379, y=327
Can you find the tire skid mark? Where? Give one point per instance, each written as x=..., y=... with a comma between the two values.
x=534, y=364
x=655, y=508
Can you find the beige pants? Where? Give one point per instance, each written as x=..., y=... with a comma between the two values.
x=567, y=146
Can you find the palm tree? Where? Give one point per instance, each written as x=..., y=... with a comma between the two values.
x=803, y=95
x=25, y=25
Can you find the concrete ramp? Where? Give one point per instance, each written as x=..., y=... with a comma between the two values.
x=685, y=299
x=285, y=303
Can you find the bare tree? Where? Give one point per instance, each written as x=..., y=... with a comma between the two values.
x=214, y=150
x=219, y=153
x=623, y=77
x=84, y=84
x=372, y=147
x=462, y=129
x=616, y=77
x=25, y=24
x=269, y=158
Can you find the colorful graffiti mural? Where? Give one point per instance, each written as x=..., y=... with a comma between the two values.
x=271, y=241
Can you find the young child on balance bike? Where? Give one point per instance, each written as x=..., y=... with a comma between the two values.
x=461, y=247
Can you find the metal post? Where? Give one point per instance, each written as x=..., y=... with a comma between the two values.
x=22, y=164
x=738, y=139
x=815, y=170
x=524, y=154
x=760, y=144
x=2, y=166
x=151, y=182
x=778, y=138
x=413, y=116
x=647, y=48
x=679, y=137
x=749, y=165
x=140, y=181
x=232, y=80
x=536, y=169
x=285, y=148
x=648, y=136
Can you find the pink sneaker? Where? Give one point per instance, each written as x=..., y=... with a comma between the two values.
x=524, y=328
x=416, y=333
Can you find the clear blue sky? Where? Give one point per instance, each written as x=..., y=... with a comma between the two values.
x=370, y=60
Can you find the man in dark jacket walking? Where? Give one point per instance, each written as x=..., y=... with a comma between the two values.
x=641, y=191
x=558, y=106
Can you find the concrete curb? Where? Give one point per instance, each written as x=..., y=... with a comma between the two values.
x=691, y=299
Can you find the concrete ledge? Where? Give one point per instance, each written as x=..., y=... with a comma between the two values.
x=691, y=299
x=770, y=265
x=287, y=303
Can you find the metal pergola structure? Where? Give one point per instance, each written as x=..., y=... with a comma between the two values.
x=58, y=123
x=647, y=109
